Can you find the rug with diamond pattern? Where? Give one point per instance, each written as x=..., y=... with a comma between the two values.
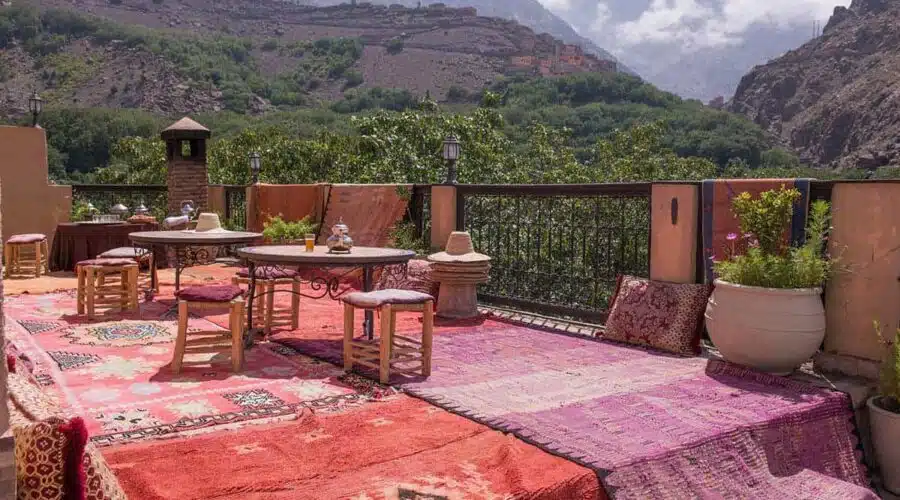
x=115, y=373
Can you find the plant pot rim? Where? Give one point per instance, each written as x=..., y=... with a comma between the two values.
x=874, y=404
x=769, y=291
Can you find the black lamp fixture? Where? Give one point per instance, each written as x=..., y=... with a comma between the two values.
x=255, y=166
x=451, y=155
x=35, y=105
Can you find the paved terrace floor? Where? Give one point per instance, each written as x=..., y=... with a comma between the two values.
x=517, y=407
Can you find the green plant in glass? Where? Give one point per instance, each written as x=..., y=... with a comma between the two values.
x=278, y=230
x=81, y=211
x=769, y=260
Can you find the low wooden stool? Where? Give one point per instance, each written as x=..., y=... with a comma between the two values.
x=26, y=250
x=268, y=315
x=207, y=297
x=143, y=257
x=108, y=283
x=390, y=349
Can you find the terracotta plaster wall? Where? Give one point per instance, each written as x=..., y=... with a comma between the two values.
x=216, y=199
x=866, y=235
x=28, y=202
x=673, y=245
x=292, y=201
x=443, y=215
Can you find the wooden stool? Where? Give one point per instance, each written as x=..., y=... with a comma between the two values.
x=108, y=283
x=143, y=257
x=268, y=315
x=390, y=349
x=26, y=250
x=210, y=341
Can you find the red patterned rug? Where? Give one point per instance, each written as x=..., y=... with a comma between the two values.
x=400, y=448
x=115, y=373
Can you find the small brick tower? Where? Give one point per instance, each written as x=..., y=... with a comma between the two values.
x=187, y=177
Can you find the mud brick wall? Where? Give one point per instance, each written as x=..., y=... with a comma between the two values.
x=187, y=180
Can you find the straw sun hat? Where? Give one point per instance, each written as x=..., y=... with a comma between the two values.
x=459, y=250
x=207, y=222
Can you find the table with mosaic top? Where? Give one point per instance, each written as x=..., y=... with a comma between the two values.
x=274, y=258
x=191, y=247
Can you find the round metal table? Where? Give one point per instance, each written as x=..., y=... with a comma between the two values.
x=277, y=257
x=190, y=246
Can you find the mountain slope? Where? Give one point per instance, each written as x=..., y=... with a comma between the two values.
x=252, y=56
x=526, y=12
x=836, y=99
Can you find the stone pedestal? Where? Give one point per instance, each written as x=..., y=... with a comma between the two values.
x=457, y=301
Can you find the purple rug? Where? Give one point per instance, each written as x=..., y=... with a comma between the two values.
x=651, y=425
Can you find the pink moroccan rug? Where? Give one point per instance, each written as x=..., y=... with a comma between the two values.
x=115, y=374
x=651, y=425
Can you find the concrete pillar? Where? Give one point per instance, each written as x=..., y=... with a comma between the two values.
x=865, y=288
x=443, y=215
x=216, y=201
x=674, y=231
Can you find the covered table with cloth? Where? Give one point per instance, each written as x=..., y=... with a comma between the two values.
x=78, y=241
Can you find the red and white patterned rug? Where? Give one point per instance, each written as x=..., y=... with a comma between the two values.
x=114, y=372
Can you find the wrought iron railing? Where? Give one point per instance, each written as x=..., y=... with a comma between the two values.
x=420, y=212
x=105, y=196
x=235, y=207
x=558, y=249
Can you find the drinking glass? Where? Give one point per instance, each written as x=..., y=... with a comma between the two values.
x=310, y=242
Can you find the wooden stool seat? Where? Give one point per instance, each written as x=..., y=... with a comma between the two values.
x=267, y=315
x=143, y=257
x=106, y=283
x=29, y=251
x=390, y=353
x=210, y=341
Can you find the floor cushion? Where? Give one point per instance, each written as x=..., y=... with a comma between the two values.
x=268, y=273
x=107, y=262
x=657, y=314
x=124, y=253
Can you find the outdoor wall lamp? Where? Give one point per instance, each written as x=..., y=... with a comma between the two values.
x=255, y=166
x=35, y=105
x=451, y=155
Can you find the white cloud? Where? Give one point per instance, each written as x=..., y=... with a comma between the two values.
x=695, y=24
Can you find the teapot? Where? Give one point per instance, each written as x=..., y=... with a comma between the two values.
x=339, y=241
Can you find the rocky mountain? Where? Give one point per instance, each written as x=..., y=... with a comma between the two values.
x=252, y=56
x=526, y=12
x=836, y=99
x=695, y=48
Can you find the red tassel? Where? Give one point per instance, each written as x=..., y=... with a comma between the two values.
x=75, y=482
x=10, y=363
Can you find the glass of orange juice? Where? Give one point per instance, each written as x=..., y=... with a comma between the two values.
x=310, y=242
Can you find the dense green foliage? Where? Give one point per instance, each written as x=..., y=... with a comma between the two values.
x=889, y=387
x=769, y=261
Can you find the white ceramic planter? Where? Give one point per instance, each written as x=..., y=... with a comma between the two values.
x=885, y=426
x=769, y=329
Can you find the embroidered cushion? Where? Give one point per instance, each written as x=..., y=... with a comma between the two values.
x=100, y=482
x=418, y=278
x=124, y=253
x=665, y=316
x=210, y=293
x=371, y=300
x=40, y=460
x=107, y=262
x=26, y=238
x=268, y=273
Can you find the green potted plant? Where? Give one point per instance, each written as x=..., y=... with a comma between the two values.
x=281, y=232
x=884, y=413
x=766, y=310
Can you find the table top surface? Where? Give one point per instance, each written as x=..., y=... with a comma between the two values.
x=297, y=254
x=192, y=237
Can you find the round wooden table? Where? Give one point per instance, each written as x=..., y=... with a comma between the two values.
x=190, y=246
x=276, y=257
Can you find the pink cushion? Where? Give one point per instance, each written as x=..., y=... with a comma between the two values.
x=665, y=316
x=124, y=253
x=106, y=262
x=26, y=238
x=371, y=300
x=210, y=293
x=268, y=273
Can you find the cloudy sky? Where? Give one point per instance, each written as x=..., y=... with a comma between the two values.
x=694, y=24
